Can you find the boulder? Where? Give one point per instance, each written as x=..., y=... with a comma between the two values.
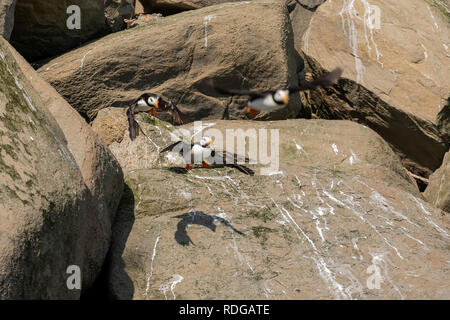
x=60, y=188
x=394, y=81
x=438, y=190
x=338, y=219
x=41, y=26
x=176, y=55
x=7, y=8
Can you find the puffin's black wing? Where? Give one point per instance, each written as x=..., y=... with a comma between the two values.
x=325, y=80
x=243, y=169
x=133, y=126
x=231, y=160
x=178, y=117
x=180, y=144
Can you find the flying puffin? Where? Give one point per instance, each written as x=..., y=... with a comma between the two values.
x=202, y=151
x=152, y=103
x=273, y=100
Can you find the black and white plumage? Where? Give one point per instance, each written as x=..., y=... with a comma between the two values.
x=276, y=99
x=152, y=103
x=202, y=153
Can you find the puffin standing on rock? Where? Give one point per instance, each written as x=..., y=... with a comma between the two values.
x=202, y=151
x=273, y=100
x=152, y=103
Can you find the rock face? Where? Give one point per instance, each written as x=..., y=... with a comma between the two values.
x=41, y=26
x=339, y=218
x=395, y=82
x=438, y=191
x=7, y=17
x=59, y=188
x=175, y=55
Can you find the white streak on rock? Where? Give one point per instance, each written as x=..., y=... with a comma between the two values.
x=348, y=15
x=206, y=20
x=171, y=284
x=151, y=266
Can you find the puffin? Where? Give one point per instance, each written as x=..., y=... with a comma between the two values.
x=202, y=151
x=276, y=99
x=152, y=103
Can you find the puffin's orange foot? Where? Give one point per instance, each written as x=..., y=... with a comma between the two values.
x=188, y=167
x=250, y=111
x=205, y=165
x=247, y=110
x=152, y=111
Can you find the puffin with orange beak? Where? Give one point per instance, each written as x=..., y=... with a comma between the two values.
x=202, y=152
x=273, y=100
x=151, y=103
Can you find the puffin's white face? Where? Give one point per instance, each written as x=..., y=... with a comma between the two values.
x=281, y=96
x=153, y=102
x=206, y=141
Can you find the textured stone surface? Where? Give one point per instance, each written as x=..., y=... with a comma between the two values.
x=438, y=191
x=7, y=17
x=339, y=204
x=174, y=56
x=40, y=28
x=60, y=188
x=395, y=82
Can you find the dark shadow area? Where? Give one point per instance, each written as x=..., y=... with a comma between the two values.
x=200, y=218
x=113, y=283
x=148, y=6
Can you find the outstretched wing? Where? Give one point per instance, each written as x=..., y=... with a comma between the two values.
x=233, y=160
x=325, y=80
x=177, y=146
x=178, y=117
x=243, y=169
x=133, y=126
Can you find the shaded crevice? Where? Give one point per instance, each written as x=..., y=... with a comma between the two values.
x=149, y=7
x=113, y=282
x=417, y=142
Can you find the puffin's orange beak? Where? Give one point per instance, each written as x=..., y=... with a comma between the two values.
x=210, y=142
x=285, y=99
x=156, y=104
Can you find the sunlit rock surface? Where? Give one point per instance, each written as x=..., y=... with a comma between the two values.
x=338, y=219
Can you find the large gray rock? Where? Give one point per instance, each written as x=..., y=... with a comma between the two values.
x=339, y=214
x=59, y=190
x=175, y=55
x=394, y=81
x=41, y=31
x=7, y=17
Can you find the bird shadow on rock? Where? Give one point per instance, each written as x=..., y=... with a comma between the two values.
x=113, y=282
x=199, y=218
